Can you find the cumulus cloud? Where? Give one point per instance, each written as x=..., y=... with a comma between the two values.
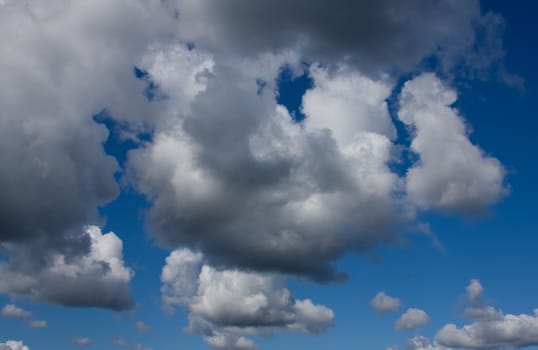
x=225, y=305
x=98, y=278
x=13, y=345
x=411, y=319
x=423, y=343
x=85, y=341
x=54, y=80
x=305, y=198
x=452, y=173
x=385, y=303
x=13, y=311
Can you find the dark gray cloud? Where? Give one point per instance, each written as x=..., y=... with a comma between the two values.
x=371, y=35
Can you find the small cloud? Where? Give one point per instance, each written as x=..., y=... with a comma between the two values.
x=412, y=319
x=142, y=327
x=118, y=341
x=38, y=324
x=384, y=303
x=85, y=341
x=13, y=311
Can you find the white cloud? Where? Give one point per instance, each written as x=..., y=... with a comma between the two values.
x=412, y=319
x=84, y=341
x=13, y=345
x=452, y=173
x=228, y=304
x=422, y=343
x=142, y=327
x=38, y=324
x=348, y=104
x=385, y=303
x=13, y=311
x=118, y=341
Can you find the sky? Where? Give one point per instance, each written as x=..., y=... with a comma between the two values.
x=238, y=175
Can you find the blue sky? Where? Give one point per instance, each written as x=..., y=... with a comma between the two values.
x=134, y=119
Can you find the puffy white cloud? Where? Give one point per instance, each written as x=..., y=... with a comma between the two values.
x=452, y=173
x=385, y=303
x=348, y=104
x=13, y=311
x=13, y=345
x=228, y=304
x=38, y=324
x=491, y=329
x=85, y=341
x=118, y=341
x=510, y=331
x=412, y=319
x=422, y=343
x=98, y=278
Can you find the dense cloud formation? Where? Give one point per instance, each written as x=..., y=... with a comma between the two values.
x=98, y=278
x=55, y=173
x=369, y=35
x=385, y=303
x=276, y=196
x=224, y=305
x=226, y=170
x=13, y=345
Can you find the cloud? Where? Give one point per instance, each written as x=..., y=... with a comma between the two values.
x=412, y=319
x=13, y=345
x=385, y=303
x=228, y=304
x=13, y=311
x=54, y=80
x=371, y=36
x=99, y=278
x=305, y=198
x=118, y=341
x=491, y=329
x=452, y=173
x=142, y=327
x=85, y=341
x=422, y=343
x=38, y=324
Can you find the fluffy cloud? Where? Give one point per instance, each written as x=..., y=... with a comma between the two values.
x=55, y=78
x=452, y=174
x=13, y=311
x=82, y=341
x=385, y=303
x=13, y=345
x=412, y=319
x=227, y=304
x=98, y=278
x=491, y=329
x=304, y=198
x=422, y=343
